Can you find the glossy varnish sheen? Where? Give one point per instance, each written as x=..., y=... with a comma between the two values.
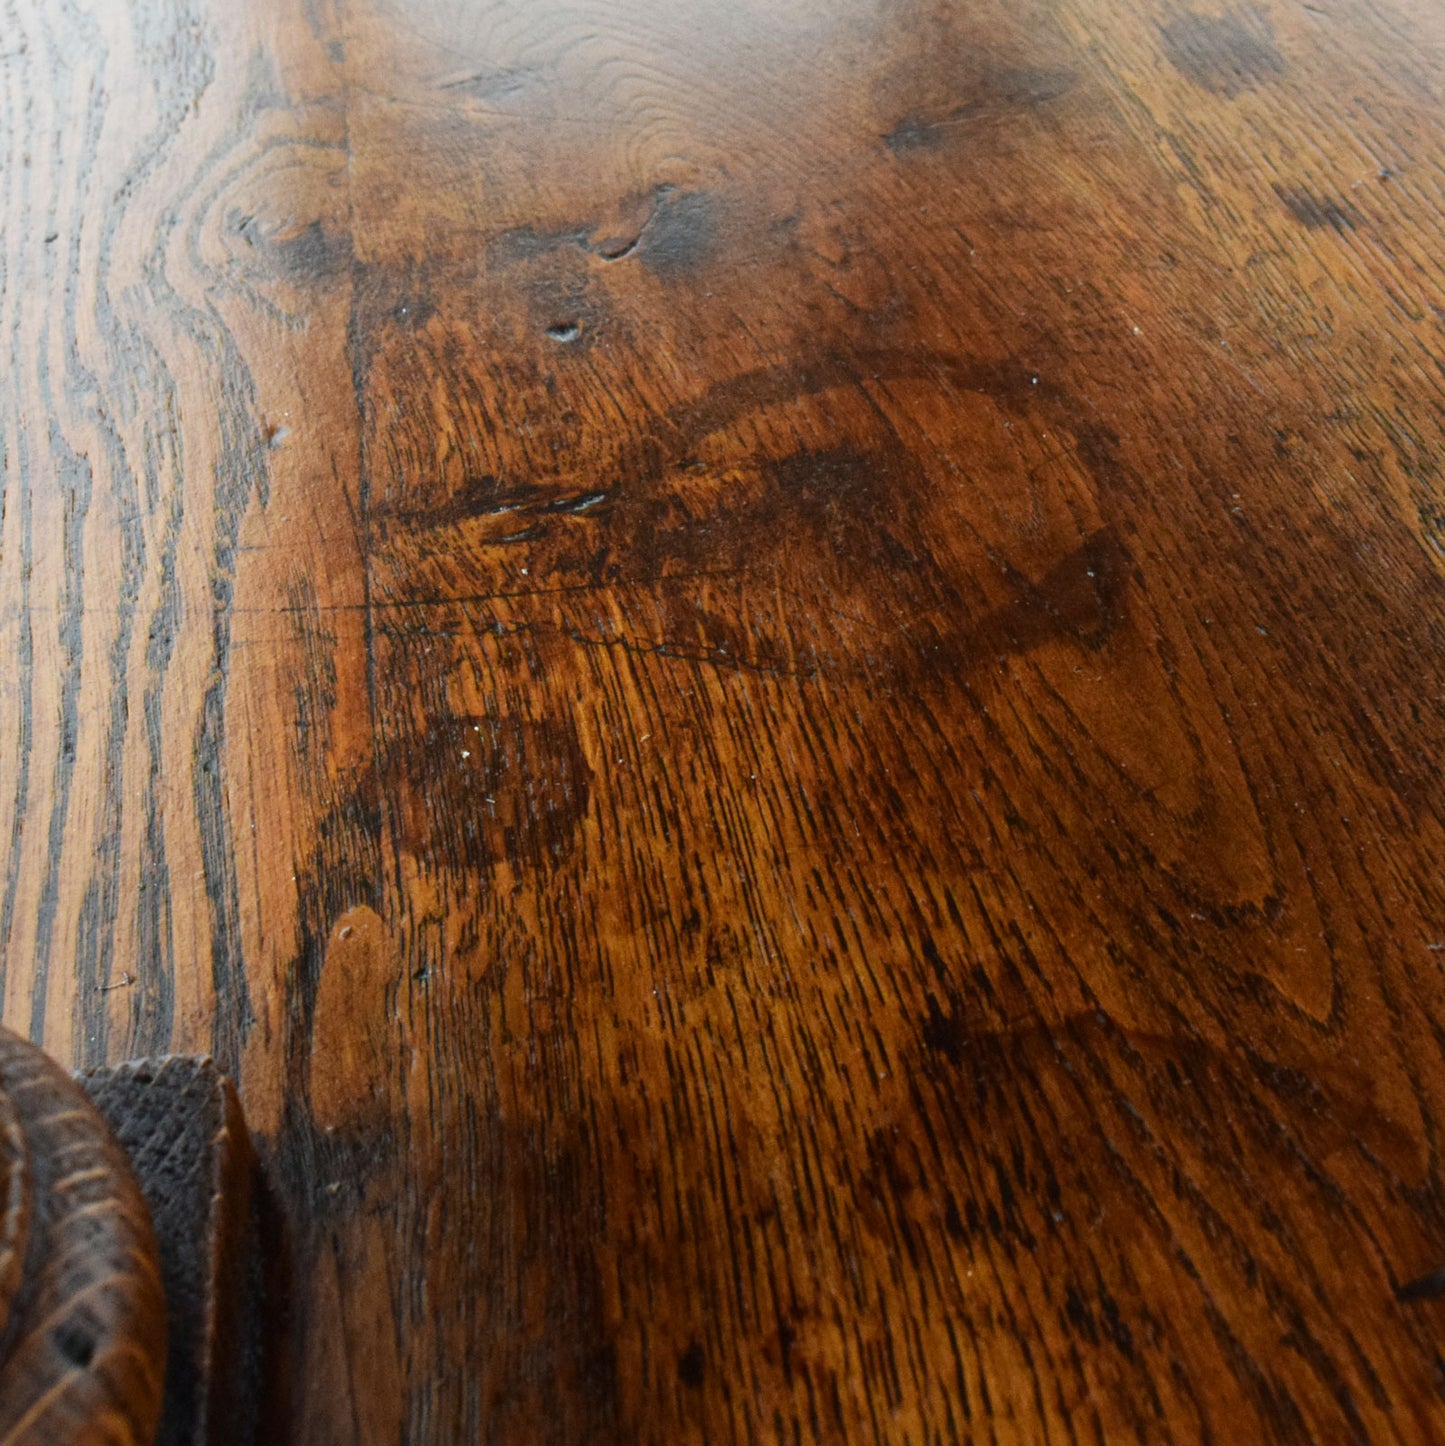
x=771, y=673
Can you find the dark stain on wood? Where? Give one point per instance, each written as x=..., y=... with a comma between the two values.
x=478, y=790
x=669, y=229
x=1317, y=212
x=1227, y=54
x=692, y=1366
x=944, y=1032
x=683, y=234
x=310, y=255
x=999, y=94
x=1081, y=598
x=1430, y=1286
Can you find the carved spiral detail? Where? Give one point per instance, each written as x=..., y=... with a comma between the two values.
x=82, y=1307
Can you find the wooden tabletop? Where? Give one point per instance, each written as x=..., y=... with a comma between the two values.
x=771, y=672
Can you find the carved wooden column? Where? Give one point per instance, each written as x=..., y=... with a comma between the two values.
x=80, y=1280
x=90, y=1171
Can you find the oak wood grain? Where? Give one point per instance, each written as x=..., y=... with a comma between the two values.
x=771, y=673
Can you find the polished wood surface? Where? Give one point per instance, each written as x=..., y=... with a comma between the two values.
x=771, y=672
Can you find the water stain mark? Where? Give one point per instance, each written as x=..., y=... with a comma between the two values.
x=1224, y=54
x=679, y=232
x=996, y=94
x=944, y=1034
x=685, y=232
x=692, y=1366
x=1080, y=599
x=308, y=256
x=1318, y=213
x=482, y=791
x=1430, y=1286
x=853, y=520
